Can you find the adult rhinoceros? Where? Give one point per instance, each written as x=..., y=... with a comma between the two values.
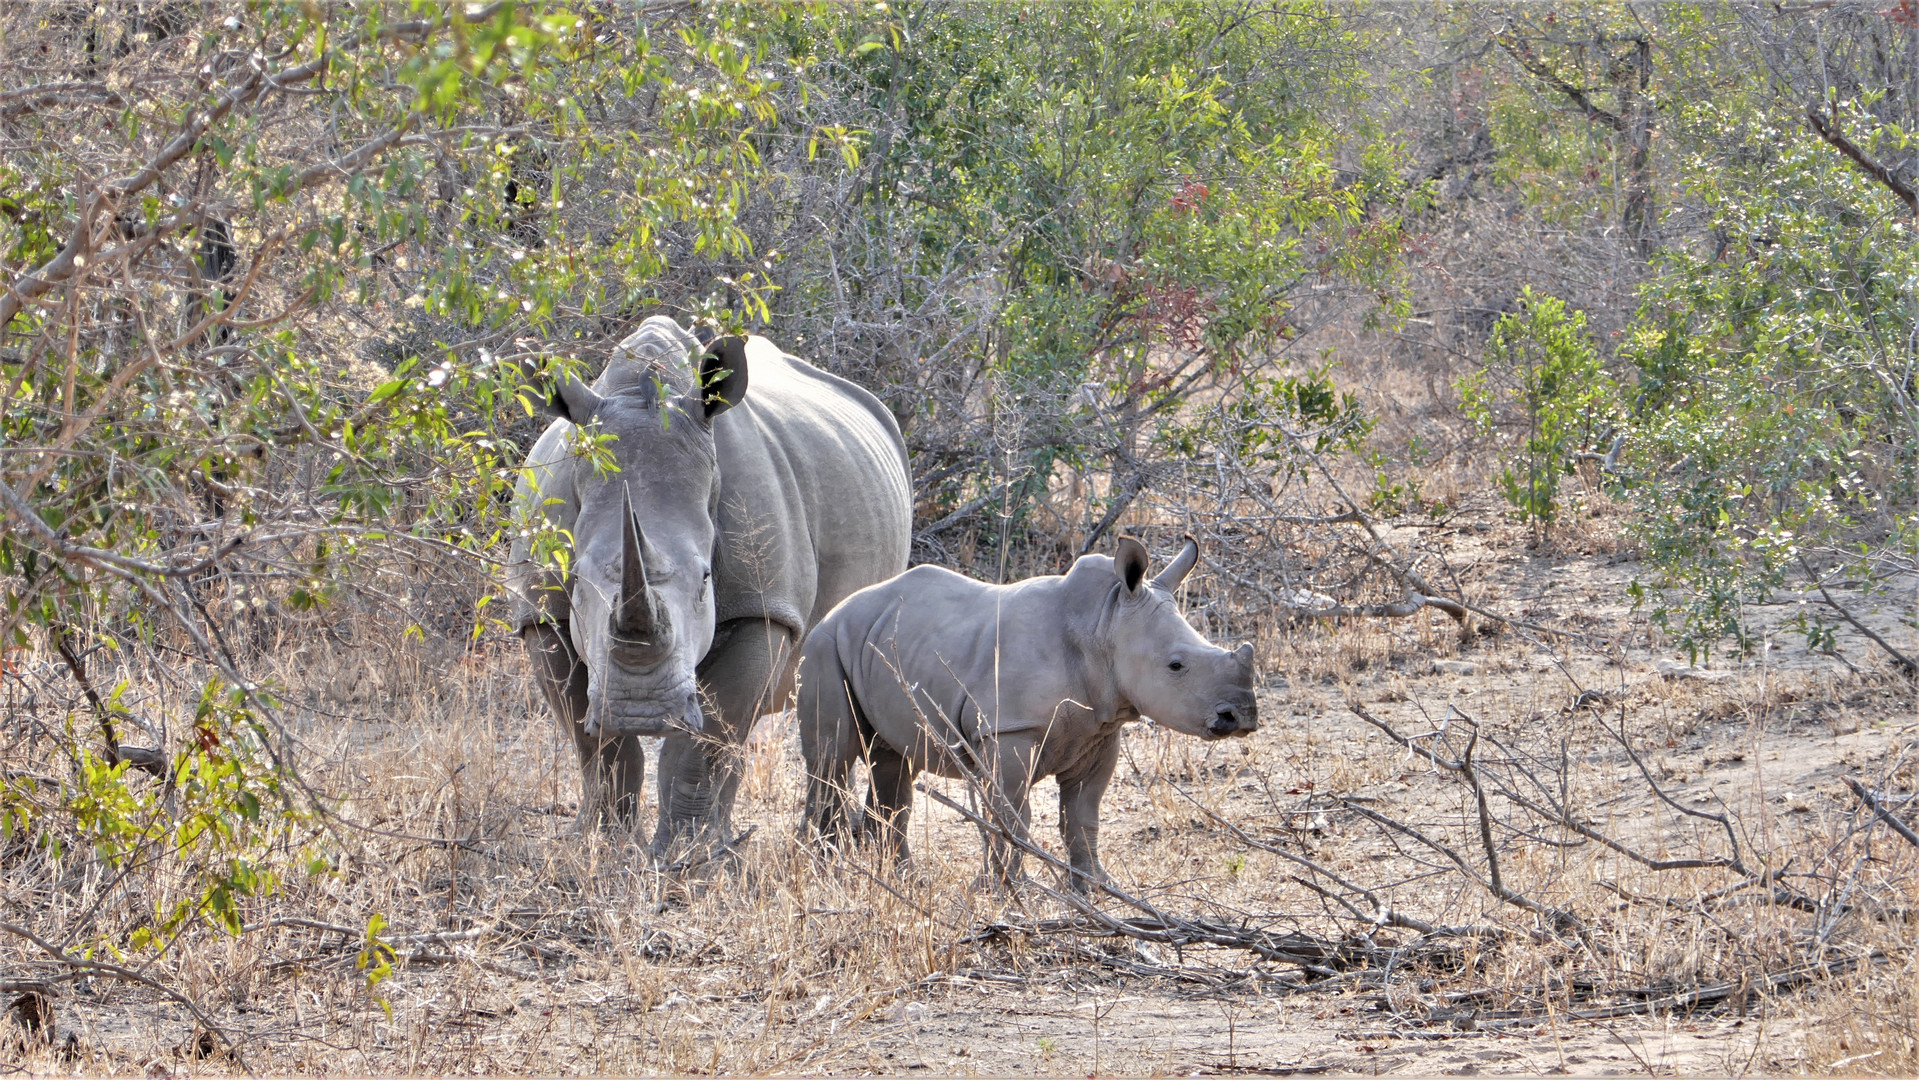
x=727, y=524
x=1008, y=684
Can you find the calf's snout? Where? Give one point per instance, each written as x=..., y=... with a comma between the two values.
x=1233, y=718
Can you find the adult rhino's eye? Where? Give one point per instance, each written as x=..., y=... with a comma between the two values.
x=1176, y=666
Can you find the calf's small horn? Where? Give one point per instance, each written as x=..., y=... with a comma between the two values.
x=1181, y=565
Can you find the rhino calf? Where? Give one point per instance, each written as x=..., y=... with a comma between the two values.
x=1008, y=684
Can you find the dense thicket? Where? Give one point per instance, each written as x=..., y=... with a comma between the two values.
x=270, y=270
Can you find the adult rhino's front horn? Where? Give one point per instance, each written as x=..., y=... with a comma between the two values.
x=638, y=626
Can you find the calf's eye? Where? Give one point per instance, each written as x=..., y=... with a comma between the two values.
x=1176, y=666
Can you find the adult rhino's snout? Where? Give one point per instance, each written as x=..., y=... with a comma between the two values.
x=612, y=718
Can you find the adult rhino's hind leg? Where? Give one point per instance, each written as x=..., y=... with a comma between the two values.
x=749, y=670
x=611, y=770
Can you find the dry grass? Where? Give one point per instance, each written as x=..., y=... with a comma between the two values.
x=526, y=947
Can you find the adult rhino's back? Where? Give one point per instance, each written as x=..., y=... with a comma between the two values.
x=817, y=497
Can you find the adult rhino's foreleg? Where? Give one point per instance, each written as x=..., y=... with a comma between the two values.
x=748, y=671
x=611, y=769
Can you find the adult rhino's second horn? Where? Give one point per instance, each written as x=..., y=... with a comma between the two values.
x=633, y=615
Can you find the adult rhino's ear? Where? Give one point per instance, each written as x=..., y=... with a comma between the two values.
x=563, y=399
x=1181, y=565
x=723, y=375
x=1129, y=562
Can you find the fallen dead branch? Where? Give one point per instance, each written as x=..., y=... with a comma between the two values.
x=1314, y=954
x=1885, y=815
x=83, y=966
x=1549, y=809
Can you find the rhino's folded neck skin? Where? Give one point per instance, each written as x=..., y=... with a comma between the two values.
x=1092, y=662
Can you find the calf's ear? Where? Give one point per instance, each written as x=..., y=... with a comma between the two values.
x=1129, y=562
x=723, y=375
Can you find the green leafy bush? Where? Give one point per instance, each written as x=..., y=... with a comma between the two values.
x=1776, y=430
x=270, y=273
x=1543, y=393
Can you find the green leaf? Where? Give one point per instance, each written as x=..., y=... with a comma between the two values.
x=386, y=390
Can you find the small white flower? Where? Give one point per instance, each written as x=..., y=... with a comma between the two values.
x=438, y=377
x=232, y=23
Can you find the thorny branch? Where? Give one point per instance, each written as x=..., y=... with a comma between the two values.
x=1906, y=663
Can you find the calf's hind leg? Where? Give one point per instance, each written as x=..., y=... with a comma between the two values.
x=829, y=741
x=889, y=798
x=611, y=769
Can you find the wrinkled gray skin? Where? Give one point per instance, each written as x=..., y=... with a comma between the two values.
x=735, y=521
x=932, y=670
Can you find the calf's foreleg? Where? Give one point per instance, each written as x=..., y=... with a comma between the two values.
x=1009, y=783
x=1080, y=792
